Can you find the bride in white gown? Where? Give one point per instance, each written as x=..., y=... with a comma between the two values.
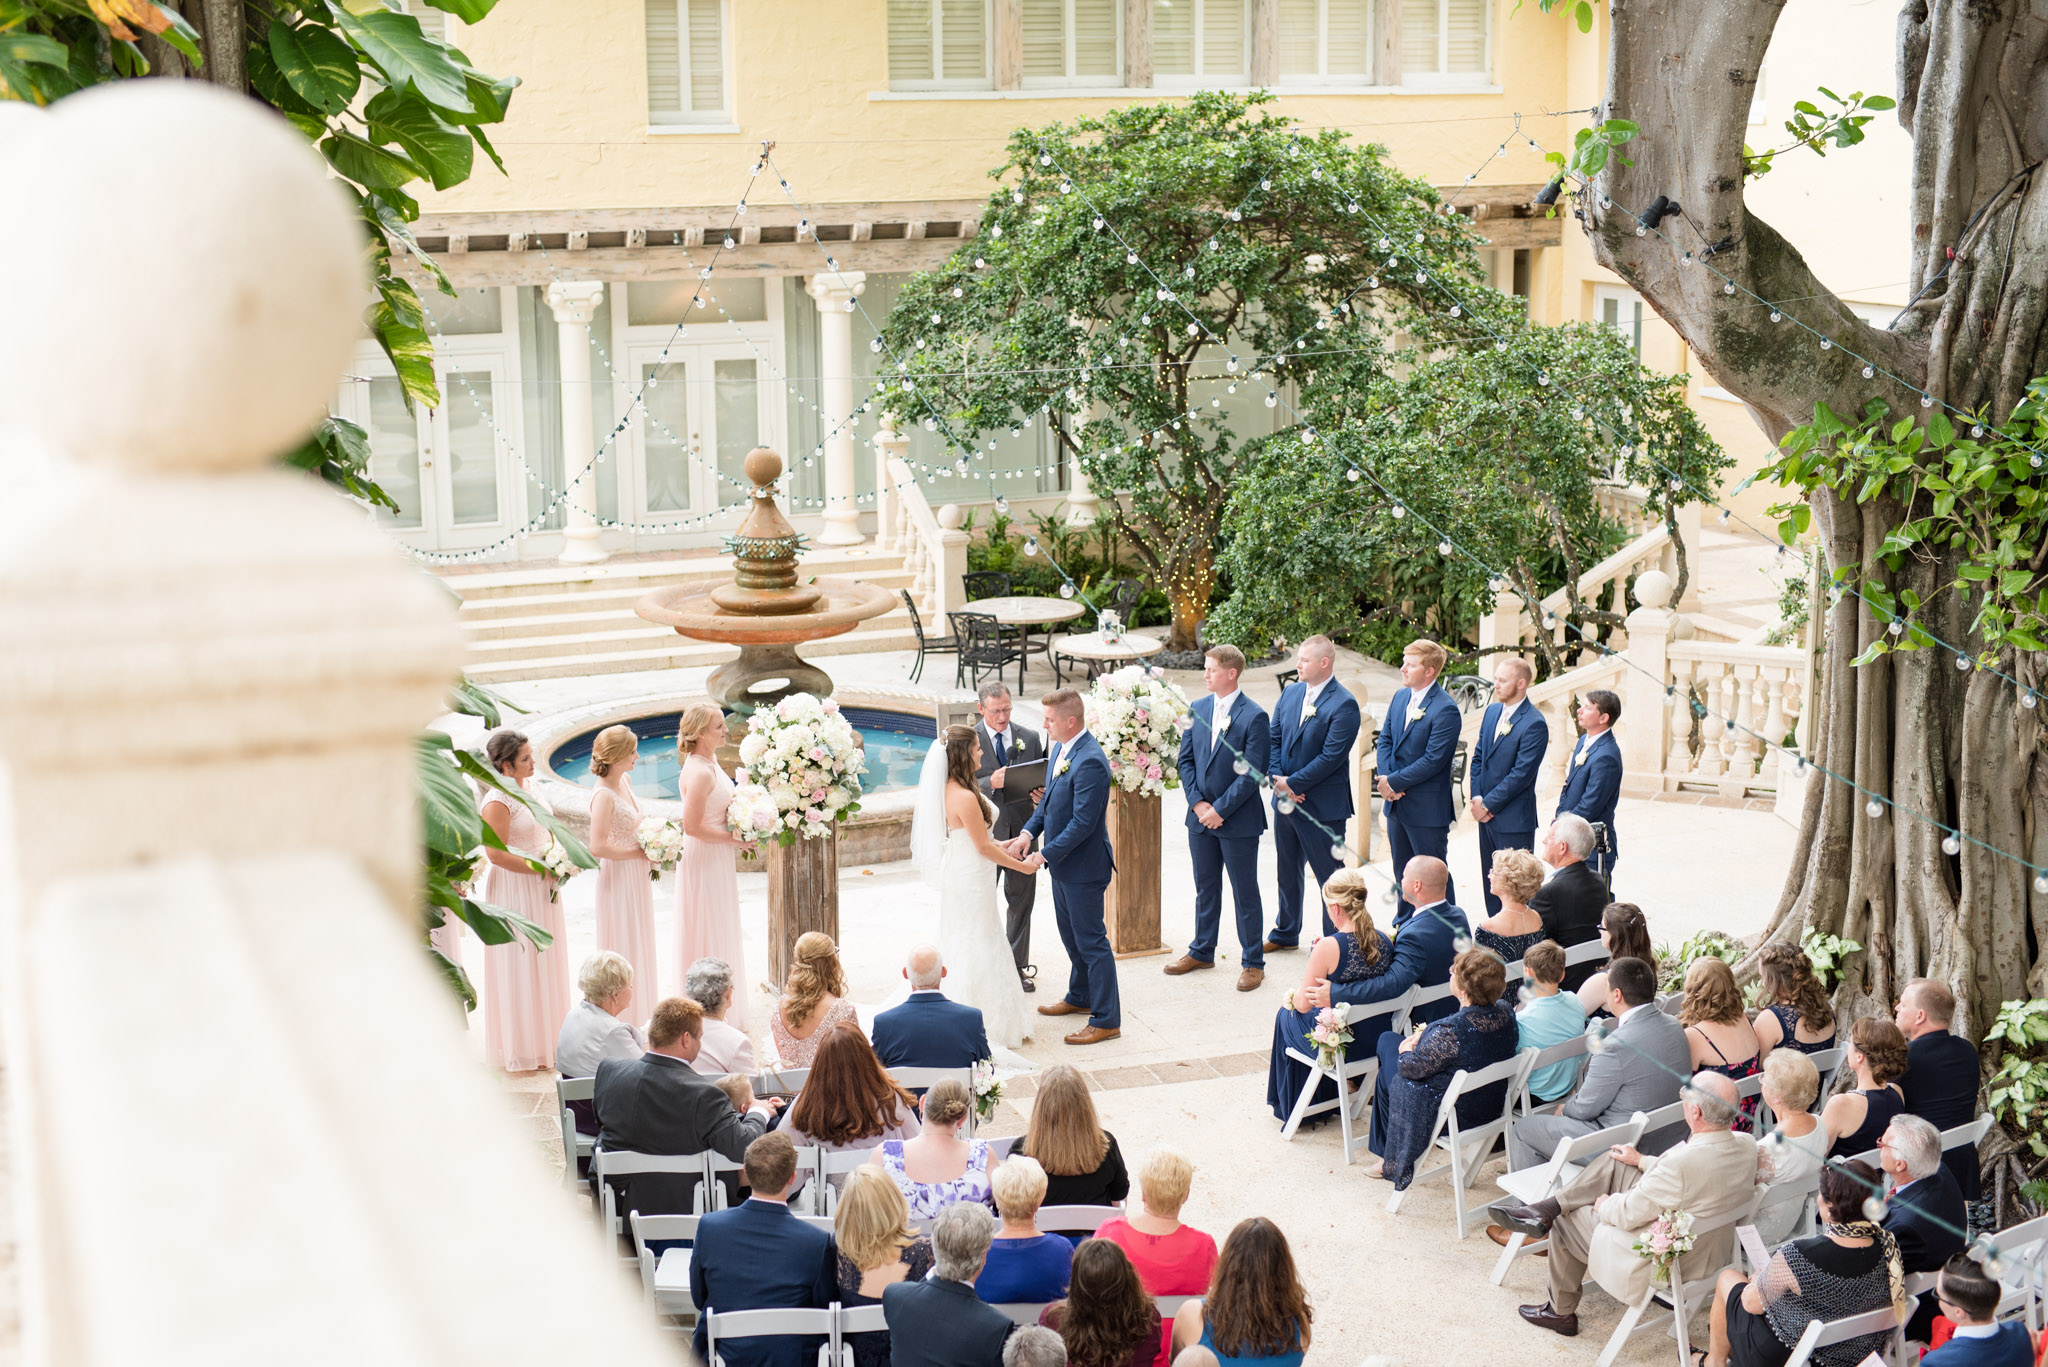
x=950, y=841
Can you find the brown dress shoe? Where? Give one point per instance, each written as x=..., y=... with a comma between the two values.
x=1275, y=947
x=1501, y=1237
x=1186, y=963
x=1062, y=1007
x=1543, y=1317
x=1093, y=1034
x=1250, y=978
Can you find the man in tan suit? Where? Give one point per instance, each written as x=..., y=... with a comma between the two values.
x=1594, y=1221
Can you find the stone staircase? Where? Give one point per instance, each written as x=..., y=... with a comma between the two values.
x=553, y=621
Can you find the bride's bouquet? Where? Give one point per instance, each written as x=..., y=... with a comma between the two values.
x=1138, y=717
x=807, y=759
x=556, y=865
x=661, y=841
x=752, y=816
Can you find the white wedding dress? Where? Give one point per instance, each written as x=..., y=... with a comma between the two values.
x=980, y=969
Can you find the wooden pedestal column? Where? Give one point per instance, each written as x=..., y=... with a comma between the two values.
x=803, y=895
x=1130, y=907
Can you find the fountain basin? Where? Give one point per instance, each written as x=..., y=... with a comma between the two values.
x=768, y=668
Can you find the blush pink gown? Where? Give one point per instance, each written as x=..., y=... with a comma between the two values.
x=708, y=899
x=526, y=990
x=625, y=909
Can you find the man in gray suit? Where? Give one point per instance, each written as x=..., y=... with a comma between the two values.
x=1002, y=745
x=1642, y=1064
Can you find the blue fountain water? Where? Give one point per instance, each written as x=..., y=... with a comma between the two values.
x=896, y=743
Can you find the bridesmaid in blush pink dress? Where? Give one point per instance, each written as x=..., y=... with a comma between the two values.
x=707, y=876
x=625, y=886
x=526, y=990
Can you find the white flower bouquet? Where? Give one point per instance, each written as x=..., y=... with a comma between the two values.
x=661, y=841
x=556, y=865
x=988, y=1090
x=1329, y=1036
x=752, y=816
x=806, y=757
x=1662, y=1241
x=1138, y=718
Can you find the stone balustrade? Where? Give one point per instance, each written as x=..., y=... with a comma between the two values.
x=931, y=541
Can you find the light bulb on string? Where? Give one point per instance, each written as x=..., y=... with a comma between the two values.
x=1067, y=590
x=1240, y=765
x=1031, y=545
x=1777, y=317
x=2041, y=883
x=1873, y=809
x=1927, y=401
x=1827, y=344
x=1728, y=288
x=1963, y=663
x=1399, y=511
x=1951, y=845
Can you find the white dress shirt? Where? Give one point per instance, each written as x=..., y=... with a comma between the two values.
x=1309, y=694
x=1220, y=718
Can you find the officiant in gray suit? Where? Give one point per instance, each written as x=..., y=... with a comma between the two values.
x=1004, y=744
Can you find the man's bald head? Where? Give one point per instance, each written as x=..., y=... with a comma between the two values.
x=1425, y=877
x=1713, y=1095
x=924, y=968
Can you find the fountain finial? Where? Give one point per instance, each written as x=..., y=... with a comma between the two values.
x=764, y=551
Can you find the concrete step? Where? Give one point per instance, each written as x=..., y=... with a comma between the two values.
x=677, y=653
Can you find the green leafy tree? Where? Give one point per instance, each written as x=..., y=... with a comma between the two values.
x=387, y=103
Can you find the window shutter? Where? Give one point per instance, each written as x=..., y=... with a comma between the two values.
x=1173, y=37
x=1095, y=38
x=1045, y=38
x=1465, y=42
x=1223, y=39
x=1297, y=54
x=707, y=56
x=963, y=30
x=1418, y=37
x=910, y=40
x=433, y=22
x=664, y=59
x=1350, y=27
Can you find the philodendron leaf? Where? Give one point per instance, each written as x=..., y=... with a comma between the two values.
x=321, y=69
x=443, y=149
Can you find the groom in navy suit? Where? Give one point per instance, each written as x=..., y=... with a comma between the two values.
x=1071, y=822
x=1505, y=761
x=1592, y=780
x=1314, y=726
x=1417, y=742
x=1225, y=820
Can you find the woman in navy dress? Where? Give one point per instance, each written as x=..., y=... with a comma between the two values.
x=1797, y=1013
x=1356, y=952
x=1416, y=1072
x=1857, y=1120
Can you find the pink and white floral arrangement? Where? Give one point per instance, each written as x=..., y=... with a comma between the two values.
x=1138, y=717
x=800, y=768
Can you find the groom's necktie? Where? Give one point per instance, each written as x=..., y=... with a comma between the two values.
x=1002, y=758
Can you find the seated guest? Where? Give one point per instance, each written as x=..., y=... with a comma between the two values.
x=876, y=1250
x=1718, y=1029
x=939, y=1168
x=1593, y=1223
x=927, y=1030
x=1796, y=1011
x=1257, y=1309
x=659, y=1104
x=1083, y=1166
x=727, y=1049
x=1571, y=900
x=1850, y=1268
x=758, y=1256
x=813, y=1000
x=1941, y=1077
x=1855, y=1120
x=1107, y=1319
x=1023, y=1264
x=739, y=1090
x=848, y=1101
x=1547, y=1017
x=1625, y=933
x=940, y=1322
x=595, y=1027
x=1355, y=953
x=1514, y=878
x=1425, y=942
x=1415, y=1072
x=1925, y=1212
x=1640, y=1066
x=1797, y=1145
x=1034, y=1345
x=1969, y=1298
x=1172, y=1259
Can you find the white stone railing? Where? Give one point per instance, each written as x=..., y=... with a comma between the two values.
x=1628, y=505
x=931, y=542
x=1651, y=549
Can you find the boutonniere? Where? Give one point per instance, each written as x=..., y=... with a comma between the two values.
x=1503, y=728
x=1062, y=769
x=1308, y=711
x=1579, y=760
x=1415, y=710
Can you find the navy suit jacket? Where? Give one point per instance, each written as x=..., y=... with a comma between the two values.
x=940, y=1323
x=1504, y=770
x=1425, y=942
x=758, y=1256
x=1591, y=789
x=1927, y=1219
x=1208, y=768
x=929, y=1031
x=2009, y=1347
x=1941, y=1088
x=1315, y=756
x=1075, y=811
x=1416, y=760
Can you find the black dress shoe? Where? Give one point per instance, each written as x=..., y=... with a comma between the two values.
x=1543, y=1317
x=1530, y=1220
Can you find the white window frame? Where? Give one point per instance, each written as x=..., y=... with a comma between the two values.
x=1198, y=81
x=687, y=118
x=1321, y=76
x=1439, y=79
x=1070, y=80
x=986, y=80
x=1625, y=301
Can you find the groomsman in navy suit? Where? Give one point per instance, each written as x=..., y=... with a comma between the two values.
x=1314, y=725
x=1505, y=761
x=1225, y=820
x=1417, y=742
x=1592, y=780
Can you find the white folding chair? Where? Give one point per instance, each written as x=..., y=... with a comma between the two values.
x=1577, y=1047
x=1347, y=1104
x=1585, y=952
x=1825, y=1063
x=773, y=1079
x=2023, y=1270
x=716, y=1168
x=1955, y=1137
x=575, y=1143
x=752, y=1324
x=924, y=1079
x=857, y=1319
x=1417, y=999
x=1075, y=1219
x=1671, y=1003
x=1655, y=1123
x=1003, y=1147
x=825, y=1199
x=1798, y=1191
x=609, y=1163
x=1685, y=1298
x=1466, y=1150
x=1169, y=1306
x=1530, y=1185
x=1826, y=1333
x=664, y=1281
x=1023, y=1312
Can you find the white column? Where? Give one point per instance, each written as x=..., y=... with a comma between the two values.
x=1082, y=504
x=835, y=294
x=574, y=303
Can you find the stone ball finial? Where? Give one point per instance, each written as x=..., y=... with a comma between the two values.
x=763, y=467
x=1653, y=589
x=201, y=236
x=951, y=517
